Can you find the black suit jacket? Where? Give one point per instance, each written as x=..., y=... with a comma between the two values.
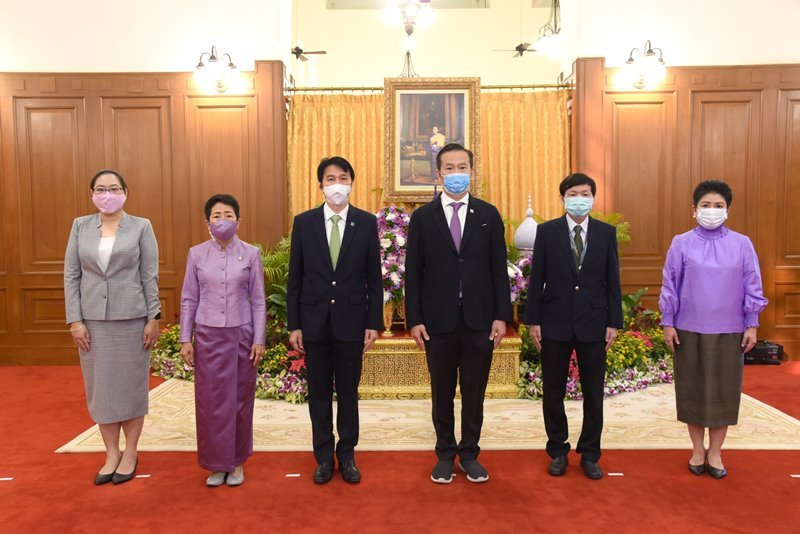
x=567, y=303
x=351, y=296
x=434, y=269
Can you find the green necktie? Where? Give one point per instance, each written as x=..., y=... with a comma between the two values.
x=336, y=240
x=578, y=240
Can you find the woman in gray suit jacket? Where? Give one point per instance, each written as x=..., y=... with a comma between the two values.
x=111, y=293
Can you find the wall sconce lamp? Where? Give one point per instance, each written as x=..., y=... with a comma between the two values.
x=214, y=71
x=646, y=68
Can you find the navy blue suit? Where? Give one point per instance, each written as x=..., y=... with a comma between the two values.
x=333, y=307
x=574, y=307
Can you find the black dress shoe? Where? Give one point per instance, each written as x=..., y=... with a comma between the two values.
x=100, y=479
x=350, y=472
x=592, y=470
x=119, y=478
x=697, y=469
x=716, y=473
x=558, y=466
x=323, y=473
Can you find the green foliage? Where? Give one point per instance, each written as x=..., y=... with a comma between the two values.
x=528, y=351
x=276, y=277
x=615, y=220
x=165, y=358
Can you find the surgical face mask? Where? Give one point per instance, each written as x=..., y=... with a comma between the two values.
x=456, y=183
x=223, y=229
x=337, y=194
x=578, y=206
x=710, y=218
x=109, y=203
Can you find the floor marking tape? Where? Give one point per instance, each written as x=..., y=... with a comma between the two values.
x=292, y=475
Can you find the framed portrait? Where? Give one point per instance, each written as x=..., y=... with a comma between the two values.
x=421, y=116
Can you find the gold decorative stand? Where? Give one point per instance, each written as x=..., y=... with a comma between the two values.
x=395, y=368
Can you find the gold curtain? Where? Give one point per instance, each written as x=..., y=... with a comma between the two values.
x=524, y=136
x=346, y=125
x=525, y=150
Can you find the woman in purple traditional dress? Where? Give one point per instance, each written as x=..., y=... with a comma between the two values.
x=222, y=304
x=710, y=300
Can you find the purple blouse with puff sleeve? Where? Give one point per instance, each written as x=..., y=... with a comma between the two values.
x=711, y=283
x=224, y=288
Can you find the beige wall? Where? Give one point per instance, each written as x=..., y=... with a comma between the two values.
x=168, y=35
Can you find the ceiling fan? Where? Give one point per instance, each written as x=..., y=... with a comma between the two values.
x=519, y=49
x=522, y=47
x=300, y=54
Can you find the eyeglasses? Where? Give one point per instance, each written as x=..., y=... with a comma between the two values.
x=114, y=190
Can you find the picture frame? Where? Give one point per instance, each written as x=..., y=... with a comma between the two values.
x=421, y=115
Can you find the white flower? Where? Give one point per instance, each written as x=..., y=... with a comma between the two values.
x=384, y=271
x=401, y=241
x=394, y=277
x=386, y=243
x=390, y=216
x=387, y=296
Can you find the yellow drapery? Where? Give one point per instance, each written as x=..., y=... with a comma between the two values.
x=524, y=137
x=525, y=148
x=346, y=125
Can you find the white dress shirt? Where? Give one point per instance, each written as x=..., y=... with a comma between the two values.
x=104, y=251
x=448, y=209
x=329, y=223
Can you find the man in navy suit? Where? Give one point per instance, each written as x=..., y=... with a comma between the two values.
x=457, y=303
x=574, y=303
x=334, y=305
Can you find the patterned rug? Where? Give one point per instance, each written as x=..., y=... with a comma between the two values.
x=640, y=420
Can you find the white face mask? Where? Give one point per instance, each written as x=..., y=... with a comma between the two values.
x=337, y=194
x=710, y=218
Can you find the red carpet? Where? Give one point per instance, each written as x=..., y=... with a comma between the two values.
x=43, y=407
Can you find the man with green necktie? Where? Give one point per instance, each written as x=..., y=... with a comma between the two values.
x=334, y=305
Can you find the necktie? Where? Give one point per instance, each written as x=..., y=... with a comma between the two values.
x=336, y=240
x=455, y=225
x=578, y=241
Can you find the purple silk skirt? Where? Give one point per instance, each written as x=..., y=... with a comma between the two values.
x=224, y=395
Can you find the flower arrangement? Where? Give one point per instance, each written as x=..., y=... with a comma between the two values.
x=638, y=358
x=392, y=232
x=517, y=281
x=165, y=358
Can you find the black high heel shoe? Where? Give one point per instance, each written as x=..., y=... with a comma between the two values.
x=119, y=478
x=100, y=479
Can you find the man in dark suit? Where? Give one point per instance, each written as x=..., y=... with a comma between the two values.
x=574, y=303
x=457, y=303
x=334, y=304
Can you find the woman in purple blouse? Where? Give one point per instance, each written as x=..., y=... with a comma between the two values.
x=223, y=304
x=710, y=300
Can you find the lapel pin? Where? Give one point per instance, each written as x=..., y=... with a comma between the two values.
x=471, y=210
x=352, y=223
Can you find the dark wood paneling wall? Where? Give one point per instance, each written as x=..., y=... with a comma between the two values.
x=649, y=149
x=175, y=144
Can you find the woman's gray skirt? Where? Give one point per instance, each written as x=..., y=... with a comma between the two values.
x=115, y=370
x=708, y=378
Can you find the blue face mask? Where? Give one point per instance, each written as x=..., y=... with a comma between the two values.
x=578, y=206
x=456, y=183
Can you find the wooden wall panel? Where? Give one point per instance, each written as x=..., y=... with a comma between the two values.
x=175, y=146
x=52, y=168
x=726, y=128
x=738, y=124
x=640, y=127
x=220, y=136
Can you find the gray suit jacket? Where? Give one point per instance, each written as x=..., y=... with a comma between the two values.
x=129, y=287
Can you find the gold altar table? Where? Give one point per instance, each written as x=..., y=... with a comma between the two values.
x=395, y=368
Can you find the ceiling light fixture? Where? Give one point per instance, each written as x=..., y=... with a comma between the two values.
x=549, y=41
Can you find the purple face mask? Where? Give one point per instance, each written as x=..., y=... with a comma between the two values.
x=109, y=203
x=223, y=229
